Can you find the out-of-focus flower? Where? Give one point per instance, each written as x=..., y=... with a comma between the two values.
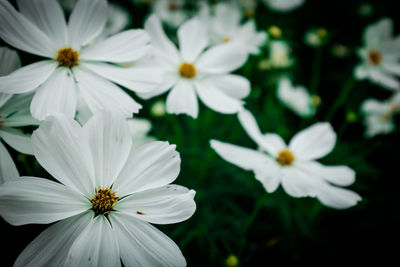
x=14, y=112
x=365, y=9
x=283, y=5
x=275, y=32
x=106, y=196
x=140, y=129
x=316, y=37
x=279, y=56
x=73, y=68
x=249, y=7
x=379, y=115
x=340, y=51
x=171, y=12
x=380, y=55
x=194, y=71
x=232, y=261
x=294, y=166
x=224, y=25
x=158, y=109
x=296, y=98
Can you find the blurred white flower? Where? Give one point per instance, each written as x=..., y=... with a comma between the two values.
x=293, y=165
x=194, y=71
x=73, y=67
x=365, y=9
x=283, y=5
x=296, y=98
x=158, y=109
x=139, y=129
x=380, y=55
x=171, y=12
x=14, y=112
x=379, y=115
x=106, y=195
x=316, y=37
x=224, y=25
x=279, y=56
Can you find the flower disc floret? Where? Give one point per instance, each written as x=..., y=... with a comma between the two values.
x=375, y=57
x=67, y=57
x=187, y=70
x=103, y=200
x=285, y=157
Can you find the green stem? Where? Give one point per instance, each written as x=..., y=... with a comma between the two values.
x=254, y=214
x=316, y=71
x=341, y=98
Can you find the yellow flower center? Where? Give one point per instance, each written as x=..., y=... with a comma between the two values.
x=187, y=70
x=226, y=40
x=103, y=200
x=67, y=57
x=315, y=101
x=375, y=57
x=386, y=117
x=285, y=157
x=173, y=6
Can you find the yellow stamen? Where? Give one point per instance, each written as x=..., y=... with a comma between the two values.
x=375, y=57
x=187, y=70
x=67, y=57
x=103, y=200
x=285, y=157
x=226, y=40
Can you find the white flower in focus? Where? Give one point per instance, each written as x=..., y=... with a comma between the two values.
x=283, y=5
x=294, y=166
x=224, y=26
x=139, y=129
x=106, y=195
x=193, y=71
x=279, y=56
x=171, y=12
x=379, y=115
x=14, y=112
x=380, y=55
x=74, y=67
x=296, y=98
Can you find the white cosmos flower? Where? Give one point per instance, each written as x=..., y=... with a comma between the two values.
x=74, y=67
x=296, y=98
x=14, y=112
x=106, y=195
x=279, y=56
x=140, y=129
x=171, y=12
x=224, y=25
x=379, y=115
x=193, y=71
x=283, y=5
x=294, y=165
x=380, y=55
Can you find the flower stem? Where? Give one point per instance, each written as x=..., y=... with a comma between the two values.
x=340, y=99
x=316, y=71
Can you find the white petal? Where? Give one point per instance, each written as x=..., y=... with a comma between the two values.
x=123, y=47
x=150, y=166
x=385, y=79
x=361, y=72
x=17, y=140
x=56, y=95
x=164, y=205
x=95, y=246
x=338, y=198
x=216, y=99
x=160, y=41
x=169, y=82
x=152, y=247
x=59, y=147
x=298, y=183
x=222, y=58
x=10, y=61
x=48, y=17
x=101, y=94
x=8, y=170
x=36, y=200
x=393, y=68
x=183, y=100
x=193, y=39
x=4, y=98
x=27, y=78
x=137, y=79
x=283, y=5
x=17, y=111
x=232, y=85
x=51, y=247
x=313, y=142
x=19, y=32
x=269, y=177
x=110, y=143
x=86, y=21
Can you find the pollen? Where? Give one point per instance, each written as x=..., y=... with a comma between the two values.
x=187, y=70
x=226, y=40
x=375, y=57
x=67, y=57
x=103, y=200
x=285, y=157
x=173, y=6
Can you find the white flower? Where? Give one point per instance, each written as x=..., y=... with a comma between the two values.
x=283, y=5
x=279, y=56
x=158, y=109
x=316, y=37
x=73, y=67
x=293, y=165
x=105, y=197
x=14, y=112
x=225, y=26
x=296, y=98
x=171, y=12
x=380, y=56
x=139, y=129
x=379, y=115
x=193, y=71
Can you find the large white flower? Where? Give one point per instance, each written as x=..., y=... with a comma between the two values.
x=224, y=25
x=283, y=5
x=380, y=55
x=193, y=71
x=106, y=197
x=14, y=112
x=293, y=165
x=75, y=66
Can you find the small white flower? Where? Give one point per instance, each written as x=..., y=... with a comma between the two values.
x=225, y=26
x=380, y=56
x=279, y=56
x=316, y=37
x=14, y=112
x=283, y=5
x=75, y=67
x=293, y=165
x=379, y=115
x=193, y=71
x=106, y=195
x=158, y=109
x=171, y=12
